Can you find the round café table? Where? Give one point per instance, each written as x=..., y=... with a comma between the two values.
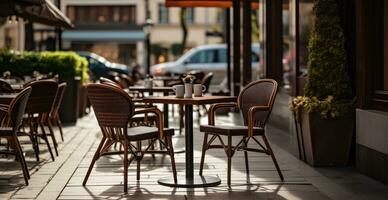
x=167, y=79
x=190, y=180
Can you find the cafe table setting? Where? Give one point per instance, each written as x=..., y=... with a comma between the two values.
x=188, y=95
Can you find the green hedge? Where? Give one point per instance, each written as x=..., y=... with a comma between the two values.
x=65, y=64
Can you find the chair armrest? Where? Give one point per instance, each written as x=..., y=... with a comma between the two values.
x=251, y=122
x=159, y=116
x=213, y=108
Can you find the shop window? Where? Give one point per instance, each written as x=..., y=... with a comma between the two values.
x=190, y=15
x=102, y=15
x=163, y=14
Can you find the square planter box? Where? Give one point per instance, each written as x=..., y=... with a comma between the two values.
x=69, y=107
x=327, y=142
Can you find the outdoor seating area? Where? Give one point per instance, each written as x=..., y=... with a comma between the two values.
x=194, y=99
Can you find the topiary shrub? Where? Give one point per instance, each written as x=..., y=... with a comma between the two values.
x=65, y=64
x=328, y=82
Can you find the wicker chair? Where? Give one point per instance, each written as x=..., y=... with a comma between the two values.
x=39, y=107
x=255, y=102
x=54, y=114
x=10, y=126
x=114, y=109
x=206, y=82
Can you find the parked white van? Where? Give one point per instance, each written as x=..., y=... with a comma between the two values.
x=207, y=58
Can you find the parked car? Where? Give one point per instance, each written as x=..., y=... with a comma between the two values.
x=101, y=67
x=207, y=58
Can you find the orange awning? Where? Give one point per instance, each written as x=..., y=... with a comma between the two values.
x=205, y=3
x=212, y=3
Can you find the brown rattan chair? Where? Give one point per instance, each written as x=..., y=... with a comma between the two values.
x=206, y=82
x=54, y=115
x=255, y=102
x=114, y=109
x=127, y=80
x=38, y=108
x=108, y=81
x=138, y=119
x=10, y=126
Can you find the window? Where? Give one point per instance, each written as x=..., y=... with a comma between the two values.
x=190, y=15
x=221, y=56
x=372, y=76
x=385, y=46
x=204, y=56
x=102, y=15
x=163, y=14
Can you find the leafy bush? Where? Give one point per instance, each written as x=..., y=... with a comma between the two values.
x=65, y=64
x=328, y=84
x=326, y=107
x=176, y=49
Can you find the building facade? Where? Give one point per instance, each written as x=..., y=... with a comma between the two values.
x=114, y=29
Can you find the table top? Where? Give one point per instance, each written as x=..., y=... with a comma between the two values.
x=153, y=89
x=6, y=98
x=17, y=87
x=193, y=100
x=167, y=78
x=8, y=95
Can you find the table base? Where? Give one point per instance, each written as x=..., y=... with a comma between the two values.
x=197, y=181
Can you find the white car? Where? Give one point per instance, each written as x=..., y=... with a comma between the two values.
x=207, y=58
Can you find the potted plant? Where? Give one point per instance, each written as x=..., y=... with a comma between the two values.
x=71, y=68
x=326, y=112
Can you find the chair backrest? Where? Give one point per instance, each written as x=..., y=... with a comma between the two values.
x=206, y=81
x=17, y=107
x=58, y=98
x=42, y=96
x=258, y=93
x=128, y=80
x=5, y=87
x=112, y=106
x=120, y=82
x=198, y=75
x=107, y=81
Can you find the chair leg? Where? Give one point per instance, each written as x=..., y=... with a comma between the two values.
x=199, y=114
x=138, y=159
x=229, y=154
x=95, y=157
x=181, y=123
x=152, y=143
x=126, y=146
x=172, y=110
x=45, y=138
x=33, y=137
x=59, y=124
x=19, y=147
x=50, y=126
x=269, y=149
x=172, y=157
x=203, y=153
x=19, y=155
x=246, y=156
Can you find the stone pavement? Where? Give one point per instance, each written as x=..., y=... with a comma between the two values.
x=62, y=179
